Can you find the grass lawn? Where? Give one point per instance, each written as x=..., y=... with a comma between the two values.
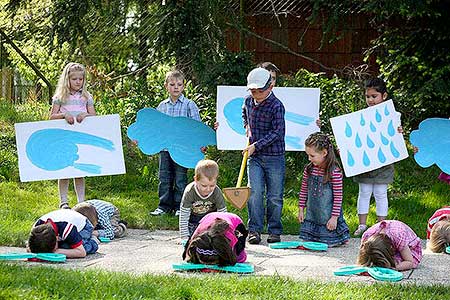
x=20, y=282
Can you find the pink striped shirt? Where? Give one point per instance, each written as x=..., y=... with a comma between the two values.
x=336, y=186
x=75, y=105
x=438, y=215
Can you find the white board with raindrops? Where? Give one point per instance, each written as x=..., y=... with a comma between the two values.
x=369, y=139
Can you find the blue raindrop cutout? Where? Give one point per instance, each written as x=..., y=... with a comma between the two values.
x=348, y=130
x=362, y=121
x=378, y=116
x=350, y=159
x=386, y=111
x=394, y=151
x=384, y=140
x=391, y=130
x=358, y=142
x=366, y=160
x=372, y=127
x=381, y=156
x=370, y=143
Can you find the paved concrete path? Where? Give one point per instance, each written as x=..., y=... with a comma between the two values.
x=154, y=252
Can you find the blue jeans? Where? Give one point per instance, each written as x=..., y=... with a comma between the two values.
x=266, y=176
x=172, y=182
x=90, y=246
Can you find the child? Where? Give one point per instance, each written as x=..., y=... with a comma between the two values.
x=438, y=230
x=273, y=70
x=390, y=244
x=72, y=101
x=321, y=194
x=263, y=117
x=202, y=196
x=105, y=218
x=375, y=181
x=218, y=240
x=173, y=177
x=63, y=231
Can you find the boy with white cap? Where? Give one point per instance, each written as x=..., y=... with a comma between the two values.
x=263, y=116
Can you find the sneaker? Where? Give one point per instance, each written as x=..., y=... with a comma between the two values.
x=273, y=238
x=158, y=212
x=254, y=238
x=64, y=206
x=124, y=222
x=177, y=213
x=360, y=230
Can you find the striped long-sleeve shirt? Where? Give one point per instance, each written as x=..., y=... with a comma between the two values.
x=105, y=211
x=336, y=186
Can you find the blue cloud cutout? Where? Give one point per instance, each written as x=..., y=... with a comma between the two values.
x=55, y=149
x=433, y=140
x=233, y=115
x=182, y=137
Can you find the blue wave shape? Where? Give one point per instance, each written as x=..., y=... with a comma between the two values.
x=233, y=115
x=182, y=137
x=298, y=119
x=56, y=149
x=433, y=140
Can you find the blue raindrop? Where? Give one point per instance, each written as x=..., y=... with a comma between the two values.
x=378, y=116
x=348, y=130
x=358, y=142
x=366, y=160
x=386, y=111
x=350, y=159
x=372, y=127
x=391, y=130
x=394, y=151
x=381, y=156
x=370, y=143
x=384, y=140
x=362, y=121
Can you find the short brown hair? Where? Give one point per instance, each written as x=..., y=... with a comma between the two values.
x=42, y=239
x=439, y=236
x=87, y=210
x=269, y=67
x=377, y=251
x=174, y=74
x=206, y=168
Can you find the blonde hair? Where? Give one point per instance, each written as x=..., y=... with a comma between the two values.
x=88, y=210
x=206, y=168
x=439, y=236
x=62, y=92
x=174, y=74
x=377, y=251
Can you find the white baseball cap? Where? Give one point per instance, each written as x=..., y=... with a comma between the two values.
x=258, y=78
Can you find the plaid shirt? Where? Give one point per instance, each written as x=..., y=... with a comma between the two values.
x=401, y=236
x=183, y=107
x=267, y=125
x=105, y=211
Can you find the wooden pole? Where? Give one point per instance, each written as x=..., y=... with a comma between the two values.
x=25, y=58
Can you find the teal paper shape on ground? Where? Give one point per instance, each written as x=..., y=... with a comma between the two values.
x=55, y=149
x=433, y=140
x=182, y=137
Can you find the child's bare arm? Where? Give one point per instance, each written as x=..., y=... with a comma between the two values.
x=77, y=252
x=408, y=260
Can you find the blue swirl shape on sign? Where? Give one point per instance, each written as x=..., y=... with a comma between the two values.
x=181, y=136
x=433, y=140
x=55, y=149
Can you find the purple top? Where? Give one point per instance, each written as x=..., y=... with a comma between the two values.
x=401, y=236
x=232, y=219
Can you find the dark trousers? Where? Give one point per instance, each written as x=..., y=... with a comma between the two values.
x=172, y=181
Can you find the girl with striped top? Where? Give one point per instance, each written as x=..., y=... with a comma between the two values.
x=321, y=195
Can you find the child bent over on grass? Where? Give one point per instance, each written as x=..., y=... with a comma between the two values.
x=202, y=196
x=105, y=218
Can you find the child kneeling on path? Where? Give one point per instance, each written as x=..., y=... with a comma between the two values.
x=438, y=230
x=390, y=244
x=321, y=195
x=202, y=196
x=218, y=240
x=63, y=231
x=105, y=218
